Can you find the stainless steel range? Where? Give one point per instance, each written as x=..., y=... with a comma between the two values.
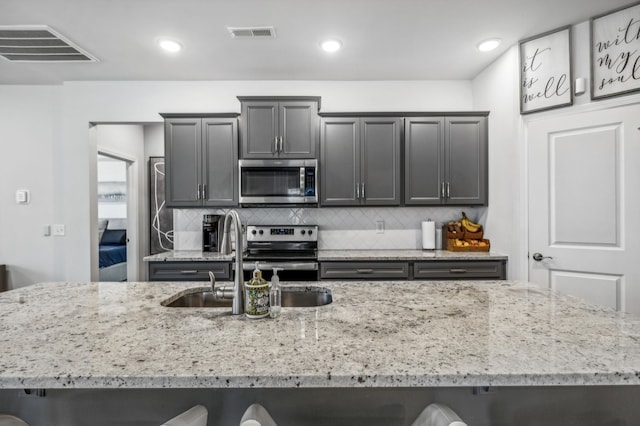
x=293, y=249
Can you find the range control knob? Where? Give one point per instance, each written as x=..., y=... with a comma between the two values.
x=261, y=232
x=310, y=231
x=303, y=232
x=253, y=232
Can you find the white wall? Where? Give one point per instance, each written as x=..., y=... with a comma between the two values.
x=29, y=120
x=53, y=122
x=496, y=89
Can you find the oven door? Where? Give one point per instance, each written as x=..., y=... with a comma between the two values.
x=278, y=181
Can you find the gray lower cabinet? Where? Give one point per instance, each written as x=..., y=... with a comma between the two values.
x=279, y=127
x=364, y=270
x=460, y=270
x=201, y=157
x=446, y=160
x=360, y=161
x=414, y=270
x=188, y=271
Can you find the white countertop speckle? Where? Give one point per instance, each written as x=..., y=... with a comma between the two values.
x=374, y=334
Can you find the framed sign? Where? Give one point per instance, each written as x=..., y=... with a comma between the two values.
x=545, y=71
x=615, y=53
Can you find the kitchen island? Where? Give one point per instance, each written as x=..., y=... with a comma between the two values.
x=499, y=352
x=374, y=334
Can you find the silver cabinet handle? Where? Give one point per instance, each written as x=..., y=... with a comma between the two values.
x=538, y=257
x=357, y=191
x=363, y=196
x=198, y=192
x=364, y=271
x=458, y=271
x=189, y=272
x=275, y=144
x=204, y=191
x=448, y=193
x=281, y=150
x=442, y=189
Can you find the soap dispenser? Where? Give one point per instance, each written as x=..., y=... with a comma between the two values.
x=257, y=296
x=275, y=295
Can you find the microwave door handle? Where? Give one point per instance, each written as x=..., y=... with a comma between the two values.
x=302, y=175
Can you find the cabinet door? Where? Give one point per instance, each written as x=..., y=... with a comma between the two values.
x=219, y=162
x=424, y=160
x=339, y=161
x=182, y=141
x=460, y=270
x=380, y=166
x=298, y=127
x=259, y=129
x=466, y=154
x=188, y=271
x=364, y=270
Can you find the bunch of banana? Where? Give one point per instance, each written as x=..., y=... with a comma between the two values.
x=469, y=225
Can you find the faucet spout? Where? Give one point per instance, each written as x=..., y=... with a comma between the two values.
x=237, y=306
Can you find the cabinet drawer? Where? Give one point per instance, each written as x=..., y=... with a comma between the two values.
x=460, y=270
x=363, y=270
x=188, y=271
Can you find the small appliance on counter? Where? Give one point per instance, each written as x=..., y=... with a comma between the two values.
x=212, y=231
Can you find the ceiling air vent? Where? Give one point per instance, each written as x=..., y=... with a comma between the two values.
x=39, y=44
x=252, y=32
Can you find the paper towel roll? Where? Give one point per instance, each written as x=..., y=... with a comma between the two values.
x=428, y=235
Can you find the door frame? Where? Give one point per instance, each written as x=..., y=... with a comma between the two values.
x=135, y=206
x=524, y=136
x=133, y=244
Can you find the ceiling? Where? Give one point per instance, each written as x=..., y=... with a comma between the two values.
x=382, y=39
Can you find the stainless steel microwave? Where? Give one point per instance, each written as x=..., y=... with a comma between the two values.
x=278, y=181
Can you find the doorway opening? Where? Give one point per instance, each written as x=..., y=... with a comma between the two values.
x=113, y=217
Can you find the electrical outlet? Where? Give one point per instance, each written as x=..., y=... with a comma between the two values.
x=58, y=230
x=380, y=227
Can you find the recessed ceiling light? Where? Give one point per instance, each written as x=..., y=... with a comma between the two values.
x=489, y=45
x=331, y=45
x=170, y=45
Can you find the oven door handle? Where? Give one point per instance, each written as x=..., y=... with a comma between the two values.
x=282, y=266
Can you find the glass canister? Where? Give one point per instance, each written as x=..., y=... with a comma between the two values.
x=256, y=296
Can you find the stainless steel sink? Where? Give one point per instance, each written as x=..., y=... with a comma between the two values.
x=292, y=297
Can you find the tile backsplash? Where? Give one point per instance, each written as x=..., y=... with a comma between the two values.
x=340, y=228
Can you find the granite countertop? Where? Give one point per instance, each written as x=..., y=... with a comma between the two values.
x=189, y=256
x=354, y=255
x=374, y=334
x=324, y=255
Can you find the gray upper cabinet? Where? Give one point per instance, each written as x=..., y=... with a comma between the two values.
x=339, y=161
x=201, y=157
x=446, y=160
x=279, y=127
x=360, y=161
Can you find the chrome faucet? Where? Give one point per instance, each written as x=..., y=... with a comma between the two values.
x=237, y=293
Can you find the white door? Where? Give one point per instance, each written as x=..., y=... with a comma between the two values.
x=584, y=208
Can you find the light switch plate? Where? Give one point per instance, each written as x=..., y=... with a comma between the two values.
x=22, y=196
x=58, y=230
